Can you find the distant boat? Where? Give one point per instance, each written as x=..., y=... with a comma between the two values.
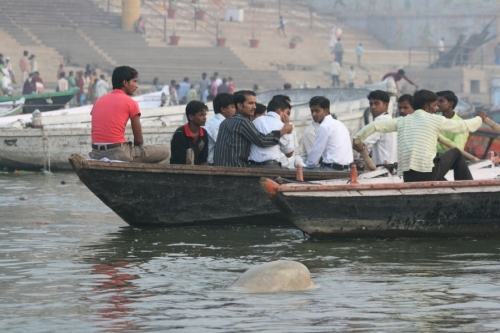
x=387, y=207
x=11, y=108
x=43, y=102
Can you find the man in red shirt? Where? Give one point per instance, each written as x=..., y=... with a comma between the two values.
x=398, y=77
x=110, y=115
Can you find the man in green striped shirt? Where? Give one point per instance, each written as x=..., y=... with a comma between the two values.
x=417, y=135
x=447, y=101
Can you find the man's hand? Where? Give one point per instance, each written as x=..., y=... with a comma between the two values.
x=358, y=146
x=482, y=114
x=287, y=129
x=285, y=118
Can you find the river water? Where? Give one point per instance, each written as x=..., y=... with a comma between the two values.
x=69, y=264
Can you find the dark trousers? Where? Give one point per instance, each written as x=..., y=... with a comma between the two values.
x=443, y=163
x=335, y=80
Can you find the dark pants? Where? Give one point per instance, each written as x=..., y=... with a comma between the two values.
x=265, y=165
x=452, y=159
x=335, y=80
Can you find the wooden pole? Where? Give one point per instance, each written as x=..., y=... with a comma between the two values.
x=190, y=157
x=494, y=126
x=451, y=146
x=365, y=156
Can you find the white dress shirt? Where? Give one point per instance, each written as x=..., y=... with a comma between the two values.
x=62, y=83
x=265, y=125
x=308, y=139
x=383, y=146
x=294, y=160
x=333, y=143
x=212, y=127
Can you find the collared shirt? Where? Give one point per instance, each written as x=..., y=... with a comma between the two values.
x=266, y=124
x=335, y=68
x=295, y=159
x=383, y=146
x=212, y=127
x=236, y=134
x=183, y=90
x=332, y=142
x=182, y=140
x=62, y=84
x=308, y=139
x=417, y=135
x=458, y=140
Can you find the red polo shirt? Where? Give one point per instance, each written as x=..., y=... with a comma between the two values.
x=110, y=115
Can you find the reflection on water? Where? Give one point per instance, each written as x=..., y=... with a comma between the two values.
x=67, y=263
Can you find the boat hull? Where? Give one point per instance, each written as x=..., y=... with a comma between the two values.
x=177, y=195
x=397, y=211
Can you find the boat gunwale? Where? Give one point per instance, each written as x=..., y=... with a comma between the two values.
x=274, y=187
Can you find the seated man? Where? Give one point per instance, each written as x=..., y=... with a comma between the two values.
x=383, y=146
x=191, y=136
x=405, y=105
x=268, y=157
x=223, y=108
x=237, y=133
x=110, y=115
x=447, y=101
x=332, y=143
x=417, y=135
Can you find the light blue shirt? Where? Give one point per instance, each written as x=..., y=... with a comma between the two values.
x=212, y=128
x=183, y=89
x=359, y=50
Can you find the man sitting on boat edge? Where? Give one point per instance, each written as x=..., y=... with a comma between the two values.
x=417, y=135
x=110, y=115
x=191, y=136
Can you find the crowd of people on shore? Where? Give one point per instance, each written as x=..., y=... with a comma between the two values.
x=244, y=133
x=205, y=89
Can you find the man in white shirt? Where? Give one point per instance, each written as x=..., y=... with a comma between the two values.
x=101, y=87
x=383, y=146
x=223, y=108
x=332, y=144
x=62, y=83
x=441, y=47
x=6, y=83
x=268, y=157
x=308, y=139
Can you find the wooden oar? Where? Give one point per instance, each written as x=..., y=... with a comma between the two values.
x=451, y=146
x=364, y=155
x=494, y=126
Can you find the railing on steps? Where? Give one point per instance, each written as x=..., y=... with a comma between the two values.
x=464, y=56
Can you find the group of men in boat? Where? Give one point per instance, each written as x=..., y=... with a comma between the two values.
x=236, y=137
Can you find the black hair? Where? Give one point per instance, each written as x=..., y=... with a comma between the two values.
x=449, y=96
x=284, y=97
x=379, y=95
x=186, y=79
x=260, y=109
x=287, y=86
x=241, y=96
x=194, y=107
x=25, y=53
x=406, y=97
x=422, y=98
x=102, y=76
x=222, y=100
x=62, y=74
x=278, y=103
x=123, y=73
x=322, y=101
x=172, y=82
x=210, y=97
x=401, y=72
x=224, y=80
x=155, y=80
x=70, y=73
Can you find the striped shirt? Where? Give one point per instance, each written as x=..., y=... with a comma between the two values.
x=236, y=135
x=417, y=135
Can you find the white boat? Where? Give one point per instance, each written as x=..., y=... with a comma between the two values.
x=11, y=108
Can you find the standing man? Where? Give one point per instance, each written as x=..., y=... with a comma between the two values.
x=417, y=135
x=335, y=73
x=8, y=66
x=338, y=49
x=203, y=84
x=351, y=76
x=281, y=28
x=223, y=88
x=383, y=146
x=405, y=105
x=359, y=53
x=110, y=115
x=441, y=47
x=497, y=54
x=332, y=145
x=269, y=157
x=447, y=101
x=24, y=64
x=101, y=87
x=71, y=85
x=184, y=87
x=224, y=108
x=236, y=134
x=62, y=83
x=33, y=64
x=191, y=136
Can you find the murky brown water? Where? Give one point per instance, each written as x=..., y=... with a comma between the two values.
x=68, y=264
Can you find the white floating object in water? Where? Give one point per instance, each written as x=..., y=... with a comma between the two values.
x=275, y=276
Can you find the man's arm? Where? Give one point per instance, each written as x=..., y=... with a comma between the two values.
x=137, y=130
x=460, y=126
x=287, y=145
x=384, y=126
x=308, y=142
x=408, y=80
x=318, y=148
x=249, y=131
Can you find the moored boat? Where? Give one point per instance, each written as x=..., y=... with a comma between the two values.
x=391, y=208
x=44, y=102
x=13, y=108
x=178, y=195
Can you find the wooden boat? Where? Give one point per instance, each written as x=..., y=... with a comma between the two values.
x=178, y=195
x=43, y=102
x=390, y=208
x=8, y=109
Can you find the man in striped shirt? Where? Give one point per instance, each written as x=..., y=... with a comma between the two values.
x=236, y=134
x=417, y=135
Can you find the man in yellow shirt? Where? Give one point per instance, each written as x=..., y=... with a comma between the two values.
x=447, y=101
x=417, y=135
